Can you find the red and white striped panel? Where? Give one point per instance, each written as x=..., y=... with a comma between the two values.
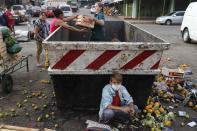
x=108, y=60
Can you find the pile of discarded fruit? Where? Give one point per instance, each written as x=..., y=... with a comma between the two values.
x=172, y=88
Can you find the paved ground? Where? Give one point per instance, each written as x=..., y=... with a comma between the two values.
x=179, y=51
x=162, y=31
x=74, y=121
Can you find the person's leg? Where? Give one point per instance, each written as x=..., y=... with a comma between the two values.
x=38, y=52
x=46, y=64
x=121, y=116
x=124, y=117
x=13, y=30
x=107, y=116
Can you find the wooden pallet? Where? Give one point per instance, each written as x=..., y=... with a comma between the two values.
x=18, y=128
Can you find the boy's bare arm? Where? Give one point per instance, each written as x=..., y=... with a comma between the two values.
x=124, y=109
x=131, y=105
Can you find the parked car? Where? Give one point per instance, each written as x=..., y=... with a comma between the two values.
x=2, y=18
x=92, y=10
x=29, y=10
x=74, y=6
x=66, y=10
x=175, y=17
x=19, y=13
x=87, y=7
x=49, y=11
x=188, y=27
x=36, y=11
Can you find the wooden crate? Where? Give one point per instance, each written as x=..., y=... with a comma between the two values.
x=18, y=128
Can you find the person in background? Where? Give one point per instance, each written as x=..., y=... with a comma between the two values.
x=41, y=30
x=10, y=19
x=116, y=102
x=59, y=20
x=98, y=32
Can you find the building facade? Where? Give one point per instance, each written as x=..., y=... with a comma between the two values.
x=149, y=8
x=13, y=2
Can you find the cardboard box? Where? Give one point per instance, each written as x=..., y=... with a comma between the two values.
x=85, y=21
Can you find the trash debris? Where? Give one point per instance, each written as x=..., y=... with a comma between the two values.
x=192, y=124
x=45, y=81
x=18, y=128
x=172, y=72
x=92, y=125
x=181, y=113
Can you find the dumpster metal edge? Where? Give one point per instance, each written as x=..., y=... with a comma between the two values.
x=102, y=72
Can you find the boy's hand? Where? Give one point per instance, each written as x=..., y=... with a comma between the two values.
x=126, y=109
x=83, y=30
x=132, y=110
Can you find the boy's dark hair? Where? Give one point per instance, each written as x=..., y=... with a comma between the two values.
x=8, y=7
x=57, y=12
x=42, y=12
x=117, y=76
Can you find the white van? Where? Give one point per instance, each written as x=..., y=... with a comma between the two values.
x=66, y=10
x=189, y=24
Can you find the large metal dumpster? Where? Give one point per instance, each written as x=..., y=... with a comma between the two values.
x=81, y=68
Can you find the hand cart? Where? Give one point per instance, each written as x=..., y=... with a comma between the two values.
x=5, y=75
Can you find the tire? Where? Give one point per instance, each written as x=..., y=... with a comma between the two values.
x=168, y=22
x=185, y=35
x=7, y=84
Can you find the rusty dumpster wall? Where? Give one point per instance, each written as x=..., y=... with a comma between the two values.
x=120, y=30
x=134, y=34
x=113, y=29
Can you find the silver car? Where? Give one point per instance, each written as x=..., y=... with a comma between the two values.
x=175, y=17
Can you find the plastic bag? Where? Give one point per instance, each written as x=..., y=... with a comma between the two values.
x=5, y=32
x=16, y=48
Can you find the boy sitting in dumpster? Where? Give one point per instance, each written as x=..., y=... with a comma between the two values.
x=116, y=102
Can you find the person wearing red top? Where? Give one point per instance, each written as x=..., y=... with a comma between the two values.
x=59, y=20
x=10, y=19
x=116, y=102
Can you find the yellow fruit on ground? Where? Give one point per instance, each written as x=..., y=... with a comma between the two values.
x=157, y=104
x=148, y=107
x=168, y=100
x=145, y=111
x=56, y=125
x=167, y=123
x=12, y=110
x=195, y=107
x=47, y=116
x=150, y=111
x=182, y=124
x=165, y=96
x=190, y=104
x=161, y=110
x=39, y=119
x=1, y=115
x=151, y=103
x=157, y=112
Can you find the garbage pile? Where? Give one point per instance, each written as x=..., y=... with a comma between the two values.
x=171, y=89
x=12, y=44
x=176, y=85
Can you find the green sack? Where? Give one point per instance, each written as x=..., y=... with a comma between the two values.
x=16, y=48
x=5, y=32
x=10, y=41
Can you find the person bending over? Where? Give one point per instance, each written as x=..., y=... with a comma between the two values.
x=59, y=20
